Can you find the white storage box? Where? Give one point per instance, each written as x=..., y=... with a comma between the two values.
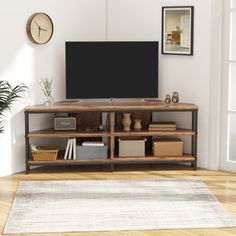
x=132, y=147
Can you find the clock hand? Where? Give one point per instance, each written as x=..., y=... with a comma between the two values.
x=39, y=31
x=43, y=29
x=37, y=24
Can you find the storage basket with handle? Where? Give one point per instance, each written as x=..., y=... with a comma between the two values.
x=44, y=153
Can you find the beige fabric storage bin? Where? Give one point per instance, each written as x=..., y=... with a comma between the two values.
x=130, y=147
x=167, y=147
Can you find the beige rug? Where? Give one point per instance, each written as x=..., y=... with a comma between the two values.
x=108, y=205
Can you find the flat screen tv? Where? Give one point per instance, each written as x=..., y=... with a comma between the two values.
x=111, y=70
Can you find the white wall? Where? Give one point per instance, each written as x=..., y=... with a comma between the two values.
x=190, y=76
x=22, y=61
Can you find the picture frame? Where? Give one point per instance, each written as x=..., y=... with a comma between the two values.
x=177, y=30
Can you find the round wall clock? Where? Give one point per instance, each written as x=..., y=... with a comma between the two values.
x=39, y=28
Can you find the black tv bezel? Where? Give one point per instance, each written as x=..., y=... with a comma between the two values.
x=105, y=98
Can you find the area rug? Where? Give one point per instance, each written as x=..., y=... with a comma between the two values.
x=114, y=205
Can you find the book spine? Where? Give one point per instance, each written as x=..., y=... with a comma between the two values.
x=162, y=126
x=162, y=123
x=166, y=126
x=162, y=129
x=74, y=149
x=67, y=149
x=93, y=144
x=152, y=127
x=70, y=149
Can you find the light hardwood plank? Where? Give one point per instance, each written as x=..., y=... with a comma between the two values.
x=111, y=106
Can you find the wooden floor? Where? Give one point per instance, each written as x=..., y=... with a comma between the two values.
x=221, y=184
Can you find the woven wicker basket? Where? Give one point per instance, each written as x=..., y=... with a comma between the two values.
x=45, y=153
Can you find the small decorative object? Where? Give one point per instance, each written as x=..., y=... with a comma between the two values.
x=39, y=28
x=168, y=99
x=137, y=125
x=8, y=95
x=177, y=30
x=126, y=121
x=46, y=86
x=175, y=97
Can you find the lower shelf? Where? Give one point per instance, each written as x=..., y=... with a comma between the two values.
x=185, y=157
x=117, y=160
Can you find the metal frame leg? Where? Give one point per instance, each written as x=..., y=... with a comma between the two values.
x=27, y=148
x=194, y=138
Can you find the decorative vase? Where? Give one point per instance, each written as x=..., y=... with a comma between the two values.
x=49, y=100
x=137, y=125
x=126, y=121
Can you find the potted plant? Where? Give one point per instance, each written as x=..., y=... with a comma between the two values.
x=8, y=95
x=46, y=86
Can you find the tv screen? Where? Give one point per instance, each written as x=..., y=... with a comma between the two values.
x=111, y=70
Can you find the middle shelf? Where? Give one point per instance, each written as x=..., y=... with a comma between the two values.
x=51, y=133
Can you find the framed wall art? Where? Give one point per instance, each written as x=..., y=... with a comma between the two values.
x=177, y=30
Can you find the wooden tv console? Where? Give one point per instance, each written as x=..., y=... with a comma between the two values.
x=113, y=109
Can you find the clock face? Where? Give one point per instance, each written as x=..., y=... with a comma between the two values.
x=40, y=28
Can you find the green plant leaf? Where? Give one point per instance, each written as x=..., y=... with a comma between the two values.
x=8, y=95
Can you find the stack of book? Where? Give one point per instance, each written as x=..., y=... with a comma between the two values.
x=70, y=152
x=162, y=126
